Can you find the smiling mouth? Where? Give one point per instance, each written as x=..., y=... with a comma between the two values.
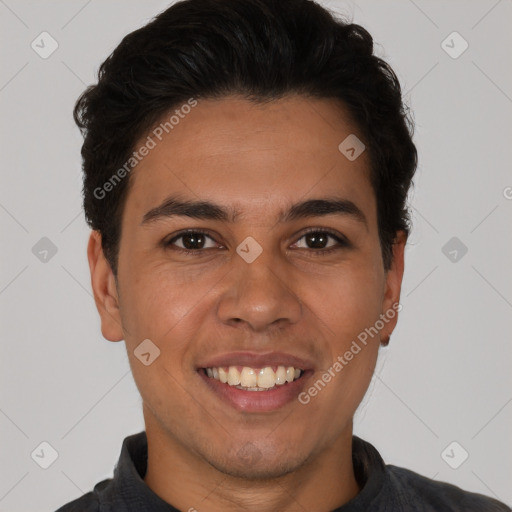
x=254, y=379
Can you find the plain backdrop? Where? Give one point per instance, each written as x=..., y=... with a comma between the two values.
x=445, y=376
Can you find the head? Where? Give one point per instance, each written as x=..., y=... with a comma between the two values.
x=241, y=107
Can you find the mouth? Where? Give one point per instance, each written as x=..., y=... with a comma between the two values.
x=255, y=389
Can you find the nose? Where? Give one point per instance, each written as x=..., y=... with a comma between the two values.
x=259, y=295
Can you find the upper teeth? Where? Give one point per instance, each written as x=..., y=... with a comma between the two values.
x=252, y=378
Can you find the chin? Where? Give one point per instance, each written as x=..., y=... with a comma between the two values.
x=250, y=464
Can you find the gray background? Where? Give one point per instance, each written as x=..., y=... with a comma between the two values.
x=446, y=374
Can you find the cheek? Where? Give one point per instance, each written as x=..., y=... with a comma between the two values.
x=345, y=308
x=159, y=302
x=158, y=305
x=346, y=301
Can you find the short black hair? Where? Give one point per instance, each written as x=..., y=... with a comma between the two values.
x=261, y=50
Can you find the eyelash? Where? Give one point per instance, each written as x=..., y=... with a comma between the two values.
x=342, y=241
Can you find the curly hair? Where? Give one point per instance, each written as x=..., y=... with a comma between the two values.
x=262, y=50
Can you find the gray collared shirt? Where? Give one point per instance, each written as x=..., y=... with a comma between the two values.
x=384, y=488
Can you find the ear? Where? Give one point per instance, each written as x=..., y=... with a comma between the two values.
x=104, y=289
x=393, y=287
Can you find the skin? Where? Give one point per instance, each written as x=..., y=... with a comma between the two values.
x=259, y=159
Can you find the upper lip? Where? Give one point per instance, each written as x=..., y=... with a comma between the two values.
x=256, y=360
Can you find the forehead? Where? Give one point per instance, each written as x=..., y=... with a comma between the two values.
x=241, y=153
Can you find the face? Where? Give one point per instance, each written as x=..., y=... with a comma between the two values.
x=266, y=275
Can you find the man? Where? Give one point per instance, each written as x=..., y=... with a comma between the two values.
x=246, y=168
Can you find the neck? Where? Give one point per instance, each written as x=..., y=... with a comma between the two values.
x=187, y=481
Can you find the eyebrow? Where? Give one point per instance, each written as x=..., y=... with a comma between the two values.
x=206, y=210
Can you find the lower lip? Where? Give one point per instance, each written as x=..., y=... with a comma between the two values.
x=257, y=401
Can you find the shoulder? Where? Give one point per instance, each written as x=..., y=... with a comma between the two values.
x=413, y=488
x=89, y=502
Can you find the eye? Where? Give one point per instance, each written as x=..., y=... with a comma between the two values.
x=318, y=240
x=191, y=241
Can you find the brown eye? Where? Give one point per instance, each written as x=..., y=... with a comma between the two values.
x=191, y=241
x=319, y=241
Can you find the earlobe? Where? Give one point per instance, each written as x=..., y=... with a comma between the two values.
x=385, y=340
x=393, y=285
x=104, y=289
